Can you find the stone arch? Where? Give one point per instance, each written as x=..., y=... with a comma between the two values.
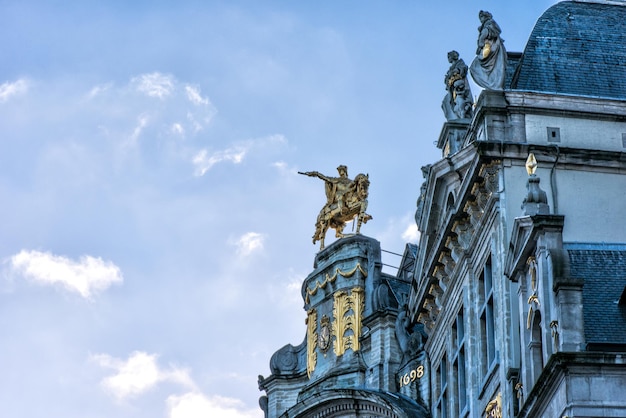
x=536, y=345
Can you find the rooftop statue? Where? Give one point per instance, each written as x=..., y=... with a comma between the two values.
x=458, y=102
x=345, y=200
x=488, y=68
x=411, y=336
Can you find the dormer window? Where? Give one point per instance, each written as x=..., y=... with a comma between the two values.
x=622, y=299
x=450, y=202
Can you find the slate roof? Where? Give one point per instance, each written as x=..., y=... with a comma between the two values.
x=576, y=48
x=512, y=61
x=603, y=269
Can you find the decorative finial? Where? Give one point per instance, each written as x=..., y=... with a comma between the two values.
x=536, y=200
x=345, y=200
x=531, y=164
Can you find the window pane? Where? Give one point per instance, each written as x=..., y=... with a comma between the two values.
x=487, y=276
x=491, y=343
x=460, y=327
x=462, y=394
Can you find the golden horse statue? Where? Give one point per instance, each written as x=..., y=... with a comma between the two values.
x=346, y=200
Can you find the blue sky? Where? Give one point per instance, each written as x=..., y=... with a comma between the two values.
x=155, y=233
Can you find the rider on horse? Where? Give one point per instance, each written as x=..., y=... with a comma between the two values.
x=345, y=199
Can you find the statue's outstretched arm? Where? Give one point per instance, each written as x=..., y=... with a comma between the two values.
x=314, y=174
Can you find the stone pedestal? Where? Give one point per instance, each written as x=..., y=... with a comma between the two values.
x=350, y=354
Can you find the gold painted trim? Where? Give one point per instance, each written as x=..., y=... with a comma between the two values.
x=494, y=408
x=344, y=322
x=311, y=342
x=534, y=298
x=340, y=308
x=330, y=279
x=531, y=164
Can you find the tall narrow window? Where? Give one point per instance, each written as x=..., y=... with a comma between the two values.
x=487, y=324
x=442, y=400
x=536, y=346
x=459, y=363
x=462, y=379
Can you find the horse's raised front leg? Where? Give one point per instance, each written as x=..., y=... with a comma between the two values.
x=362, y=217
x=320, y=233
x=339, y=230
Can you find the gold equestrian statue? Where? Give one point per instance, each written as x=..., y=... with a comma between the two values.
x=345, y=200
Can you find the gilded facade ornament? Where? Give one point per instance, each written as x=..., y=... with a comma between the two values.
x=536, y=200
x=519, y=390
x=554, y=327
x=311, y=342
x=533, y=299
x=531, y=164
x=494, y=408
x=330, y=279
x=345, y=200
x=347, y=313
x=411, y=376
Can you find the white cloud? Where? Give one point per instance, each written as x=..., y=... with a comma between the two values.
x=281, y=165
x=272, y=140
x=199, y=122
x=249, y=242
x=193, y=94
x=285, y=290
x=7, y=90
x=99, y=89
x=154, y=84
x=178, y=129
x=411, y=234
x=124, y=115
x=87, y=276
x=142, y=122
x=197, y=126
x=138, y=374
x=284, y=169
x=141, y=373
x=204, y=161
x=196, y=405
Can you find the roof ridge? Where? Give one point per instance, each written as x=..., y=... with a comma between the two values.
x=611, y=2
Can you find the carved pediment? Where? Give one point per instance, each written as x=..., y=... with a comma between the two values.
x=519, y=243
x=523, y=240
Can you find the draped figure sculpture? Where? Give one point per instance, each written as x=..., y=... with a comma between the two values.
x=345, y=200
x=458, y=102
x=489, y=67
x=411, y=336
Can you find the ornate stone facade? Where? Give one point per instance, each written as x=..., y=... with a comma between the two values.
x=517, y=277
x=516, y=293
x=352, y=362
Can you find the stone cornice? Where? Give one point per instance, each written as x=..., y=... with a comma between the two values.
x=596, y=107
x=523, y=237
x=556, y=369
x=440, y=169
x=476, y=196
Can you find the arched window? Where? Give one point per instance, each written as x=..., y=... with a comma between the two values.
x=536, y=346
x=450, y=202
